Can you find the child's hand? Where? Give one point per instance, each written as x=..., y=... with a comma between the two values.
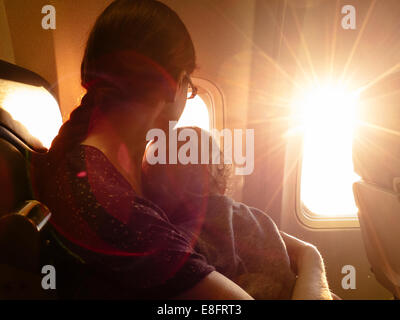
x=301, y=253
x=307, y=263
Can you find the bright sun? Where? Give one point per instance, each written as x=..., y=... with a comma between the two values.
x=328, y=117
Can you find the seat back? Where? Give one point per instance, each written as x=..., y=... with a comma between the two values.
x=379, y=216
x=21, y=220
x=14, y=182
x=16, y=169
x=376, y=157
x=21, y=217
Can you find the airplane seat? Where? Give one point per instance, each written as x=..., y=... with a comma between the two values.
x=27, y=242
x=14, y=169
x=22, y=218
x=376, y=157
x=379, y=216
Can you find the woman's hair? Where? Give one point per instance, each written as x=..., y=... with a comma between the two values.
x=136, y=49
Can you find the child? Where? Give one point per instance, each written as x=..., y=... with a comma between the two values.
x=242, y=243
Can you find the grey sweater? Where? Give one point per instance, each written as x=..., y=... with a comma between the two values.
x=244, y=244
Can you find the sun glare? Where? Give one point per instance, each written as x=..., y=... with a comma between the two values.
x=327, y=115
x=35, y=108
x=195, y=114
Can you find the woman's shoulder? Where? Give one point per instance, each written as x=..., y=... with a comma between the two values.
x=88, y=164
x=81, y=156
x=86, y=186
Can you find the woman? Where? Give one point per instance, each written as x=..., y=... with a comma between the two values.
x=136, y=70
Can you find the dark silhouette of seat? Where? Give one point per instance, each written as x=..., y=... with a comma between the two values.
x=22, y=218
x=376, y=156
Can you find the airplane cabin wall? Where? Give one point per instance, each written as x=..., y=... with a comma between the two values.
x=32, y=45
x=6, y=48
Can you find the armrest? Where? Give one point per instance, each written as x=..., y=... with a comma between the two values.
x=36, y=212
x=20, y=236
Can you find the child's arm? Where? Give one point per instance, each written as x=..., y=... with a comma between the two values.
x=311, y=283
x=215, y=286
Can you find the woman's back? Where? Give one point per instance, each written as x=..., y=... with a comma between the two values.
x=99, y=219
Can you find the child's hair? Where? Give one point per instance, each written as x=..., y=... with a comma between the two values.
x=182, y=189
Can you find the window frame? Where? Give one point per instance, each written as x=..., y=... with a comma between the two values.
x=214, y=100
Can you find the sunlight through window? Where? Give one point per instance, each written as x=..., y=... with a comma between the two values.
x=328, y=120
x=195, y=114
x=34, y=107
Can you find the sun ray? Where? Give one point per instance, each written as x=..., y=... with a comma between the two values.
x=282, y=23
x=375, y=98
x=380, y=128
x=255, y=46
x=358, y=39
x=288, y=46
x=379, y=78
x=305, y=46
x=372, y=145
x=279, y=188
x=296, y=59
x=260, y=96
x=273, y=149
x=334, y=38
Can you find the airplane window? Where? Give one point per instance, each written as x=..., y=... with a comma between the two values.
x=328, y=118
x=32, y=106
x=195, y=114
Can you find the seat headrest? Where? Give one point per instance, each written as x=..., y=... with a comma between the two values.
x=28, y=98
x=19, y=131
x=12, y=72
x=376, y=146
